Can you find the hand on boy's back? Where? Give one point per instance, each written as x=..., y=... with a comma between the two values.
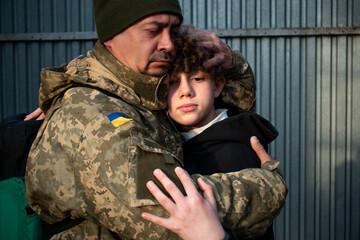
x=260, y=150
x=38, y=114
x=222, y=53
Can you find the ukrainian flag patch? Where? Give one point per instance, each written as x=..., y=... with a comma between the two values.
x=117, y=119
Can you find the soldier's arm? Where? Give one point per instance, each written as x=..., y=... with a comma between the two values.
x=247, y=208
x=248, y=201
x=257, y=199
x=240, y=87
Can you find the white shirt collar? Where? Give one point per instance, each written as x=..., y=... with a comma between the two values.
x=221, y=115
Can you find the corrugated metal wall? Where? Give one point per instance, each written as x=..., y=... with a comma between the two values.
x=26, y=47
x=305, y=55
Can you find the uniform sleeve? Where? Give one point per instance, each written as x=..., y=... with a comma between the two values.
x=78, y=170
x=240, y=87
x=249, y=200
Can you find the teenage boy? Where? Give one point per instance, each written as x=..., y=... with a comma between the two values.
x=214, y=140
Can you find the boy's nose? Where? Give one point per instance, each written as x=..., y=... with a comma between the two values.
x=185, y=89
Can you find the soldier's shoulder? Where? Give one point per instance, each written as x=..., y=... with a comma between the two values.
x=86, y=104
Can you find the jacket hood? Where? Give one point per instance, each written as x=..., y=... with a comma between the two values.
x=100, y=69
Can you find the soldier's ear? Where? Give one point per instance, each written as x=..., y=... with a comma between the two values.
x=108, y=44
x=219, y=85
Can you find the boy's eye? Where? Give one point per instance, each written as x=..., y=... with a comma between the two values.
x=198, y=76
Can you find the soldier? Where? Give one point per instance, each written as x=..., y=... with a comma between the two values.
x=106, y=131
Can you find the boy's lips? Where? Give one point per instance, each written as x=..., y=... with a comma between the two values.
x=188, y=107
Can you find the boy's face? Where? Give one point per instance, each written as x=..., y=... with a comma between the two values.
x=191, y=98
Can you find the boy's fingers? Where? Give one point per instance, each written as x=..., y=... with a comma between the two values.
x=170, y=187
x=186, y=181
x=260, y=150
x=160, y=196
x=164, y=222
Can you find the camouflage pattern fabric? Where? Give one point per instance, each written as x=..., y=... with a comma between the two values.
x=240, y=89
x=104, y=133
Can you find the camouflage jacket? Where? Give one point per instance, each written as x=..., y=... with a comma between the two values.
x=105, y=132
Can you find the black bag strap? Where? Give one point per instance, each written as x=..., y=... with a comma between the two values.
x=50, y=230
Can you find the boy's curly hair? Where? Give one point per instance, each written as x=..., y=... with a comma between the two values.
x=190, y=55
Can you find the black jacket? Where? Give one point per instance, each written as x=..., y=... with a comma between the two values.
x=225, y=147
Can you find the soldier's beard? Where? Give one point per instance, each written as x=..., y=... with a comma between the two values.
x=160, y=70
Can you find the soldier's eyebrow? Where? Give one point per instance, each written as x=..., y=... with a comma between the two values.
x=162, y=24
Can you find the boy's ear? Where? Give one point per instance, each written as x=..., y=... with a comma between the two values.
x=219, y=85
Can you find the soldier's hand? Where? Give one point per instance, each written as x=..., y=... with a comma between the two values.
x=260, y=150
x=193, y=216
x=38, y=114
x=222, y=53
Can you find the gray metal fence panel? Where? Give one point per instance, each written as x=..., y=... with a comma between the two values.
x=305, y=55
x=31, y=39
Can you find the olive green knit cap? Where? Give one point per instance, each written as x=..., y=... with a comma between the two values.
x=114, y=16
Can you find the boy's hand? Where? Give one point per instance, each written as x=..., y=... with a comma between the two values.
x=193, y=216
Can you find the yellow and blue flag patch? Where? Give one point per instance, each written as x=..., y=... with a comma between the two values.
x=117, y=119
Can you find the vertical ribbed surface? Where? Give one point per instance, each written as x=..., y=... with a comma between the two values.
x=21, y=62
x=307, y=86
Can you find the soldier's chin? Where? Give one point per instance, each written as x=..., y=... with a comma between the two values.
x=158, y=71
